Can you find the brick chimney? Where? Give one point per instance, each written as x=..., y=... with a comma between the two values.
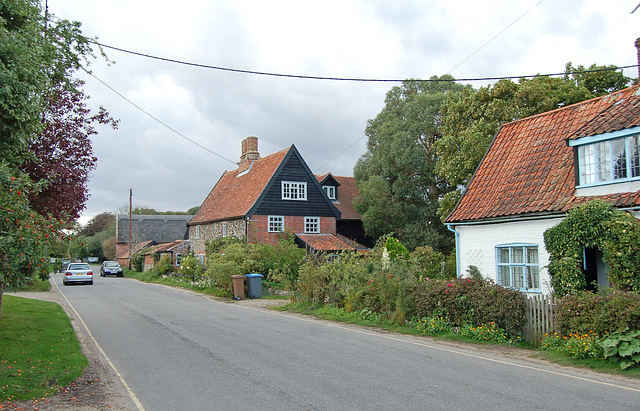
x=638, y=47
x=249, y=153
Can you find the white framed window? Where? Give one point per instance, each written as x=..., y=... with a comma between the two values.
x=518, y=266
x=224, y=228
x=609, y=161
x=178, y=259
x=276, y=223
x=197, y=231
x=330, y=191
x=292, y=190
x=312, y=224
x=201, y=258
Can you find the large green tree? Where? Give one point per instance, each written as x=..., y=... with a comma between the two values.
x=471, y=119
x=38, y=55
x=399, y=188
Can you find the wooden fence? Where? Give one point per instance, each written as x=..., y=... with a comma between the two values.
x=539, y=313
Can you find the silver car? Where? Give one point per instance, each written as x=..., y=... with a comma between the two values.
x=78, y=273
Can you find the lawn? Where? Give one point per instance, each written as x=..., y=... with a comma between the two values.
x=39, y=351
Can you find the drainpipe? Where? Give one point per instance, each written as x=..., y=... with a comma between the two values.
x=453, y=230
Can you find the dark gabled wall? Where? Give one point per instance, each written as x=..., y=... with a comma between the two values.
x=293, y=170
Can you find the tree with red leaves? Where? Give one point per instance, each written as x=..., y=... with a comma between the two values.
x=62, y=155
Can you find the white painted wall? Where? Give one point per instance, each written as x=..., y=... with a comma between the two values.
x=477, y=245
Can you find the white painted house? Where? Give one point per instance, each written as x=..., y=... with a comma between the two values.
x=537, y=169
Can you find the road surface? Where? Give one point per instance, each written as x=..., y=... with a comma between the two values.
x=178, y=350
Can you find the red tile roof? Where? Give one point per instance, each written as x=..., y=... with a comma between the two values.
x=529, y=168
x=347, y=192
x=236, y=192
x=325, y=242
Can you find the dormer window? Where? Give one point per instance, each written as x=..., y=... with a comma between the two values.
x=330, y=191
x=292, y=190
x=608, y=161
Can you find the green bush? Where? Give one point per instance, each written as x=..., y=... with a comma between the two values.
x=622, y=347
x=281, y=261
x=137, y=262
x=191, y=266
x=164, y=266
x=427, y=263
x=588, y=312
x=471, y=301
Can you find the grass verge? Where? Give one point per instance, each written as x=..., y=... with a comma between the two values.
x=39, y=351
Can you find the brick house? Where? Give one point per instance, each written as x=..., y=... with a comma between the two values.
x=265, y=196
x=537, y=169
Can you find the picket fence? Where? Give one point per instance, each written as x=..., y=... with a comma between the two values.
x=539, y=314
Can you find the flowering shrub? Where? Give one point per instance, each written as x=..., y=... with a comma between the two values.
x=434, y=325
x=470, y=301
x=489, y=332
x=585, y=312
x=576, y=345
x=191, y=266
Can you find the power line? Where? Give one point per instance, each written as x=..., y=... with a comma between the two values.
x=494, y=37
x=263, y=73
x=159, y=121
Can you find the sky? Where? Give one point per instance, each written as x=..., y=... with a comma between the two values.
x=181, y=126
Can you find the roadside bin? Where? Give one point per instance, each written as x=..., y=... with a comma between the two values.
x=254, y=285
x=238, y=287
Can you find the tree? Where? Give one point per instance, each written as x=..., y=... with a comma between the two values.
x=37, y=55
x=62, y=155
x=471, y=119
x=399, y=188
x=101, y=222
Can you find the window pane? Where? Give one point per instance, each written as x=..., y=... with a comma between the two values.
x=634, y=155
x=503, y=256
x=587, y=164
x=603, y=161
x=532, y=255
x=533, y=277
x=619, y=158
x=517, y=255
x=504, y=277
x=518, y=276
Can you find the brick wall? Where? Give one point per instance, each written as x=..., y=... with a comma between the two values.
x=259, y=225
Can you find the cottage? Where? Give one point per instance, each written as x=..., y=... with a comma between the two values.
x=266, y=196
x=536, y=170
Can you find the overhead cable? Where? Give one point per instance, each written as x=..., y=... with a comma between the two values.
x=263, y=73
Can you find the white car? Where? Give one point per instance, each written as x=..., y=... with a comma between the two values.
x=78, y=273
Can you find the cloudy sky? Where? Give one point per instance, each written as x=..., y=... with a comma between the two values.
x=181, y=126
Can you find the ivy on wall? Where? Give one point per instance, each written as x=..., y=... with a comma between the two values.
x=595, y=224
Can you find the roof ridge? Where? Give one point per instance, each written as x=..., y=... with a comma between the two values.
x=580, y=103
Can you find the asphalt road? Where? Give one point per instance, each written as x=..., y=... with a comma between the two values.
x=177, y=350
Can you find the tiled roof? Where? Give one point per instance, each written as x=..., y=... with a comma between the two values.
x=529, y=168
x=236, y=192
x=347, y=192
x=325, y=242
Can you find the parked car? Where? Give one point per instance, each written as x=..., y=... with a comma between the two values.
x=78, y=273
x=111, y=268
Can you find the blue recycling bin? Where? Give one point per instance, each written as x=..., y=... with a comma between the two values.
x=254, y=285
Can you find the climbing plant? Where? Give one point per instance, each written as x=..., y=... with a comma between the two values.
x=595, y=224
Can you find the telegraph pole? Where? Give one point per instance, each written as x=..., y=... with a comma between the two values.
x=130, y=245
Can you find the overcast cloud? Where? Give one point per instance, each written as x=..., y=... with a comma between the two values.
x=324, y=119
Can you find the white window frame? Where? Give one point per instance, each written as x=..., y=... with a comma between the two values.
x=330, y=191
x=178, y=259
x=224, y=228
x=597, y=161
x=275, y=224
x=519, y=271
x=294, y=190
x=197, y=231
x=312, y=225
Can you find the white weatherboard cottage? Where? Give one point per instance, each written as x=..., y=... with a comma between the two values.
x=536, y=170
